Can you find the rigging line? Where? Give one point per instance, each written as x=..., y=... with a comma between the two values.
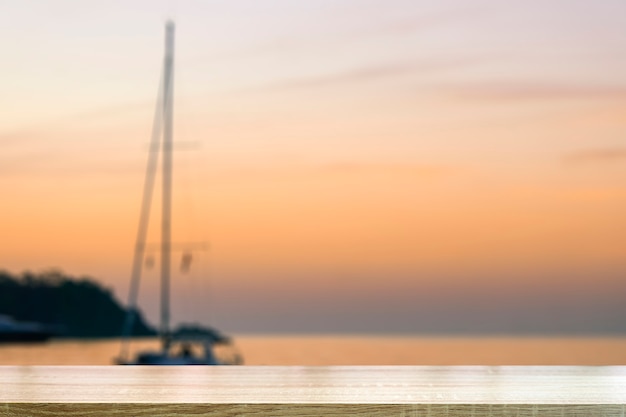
x=144, y=220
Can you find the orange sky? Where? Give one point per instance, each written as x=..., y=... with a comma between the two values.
x=405, y=149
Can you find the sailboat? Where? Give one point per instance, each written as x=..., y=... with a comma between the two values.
x=192, y=345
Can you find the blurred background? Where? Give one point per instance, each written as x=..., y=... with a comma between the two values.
x=366, y=174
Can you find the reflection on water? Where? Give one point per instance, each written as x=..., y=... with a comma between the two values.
x=352, y=350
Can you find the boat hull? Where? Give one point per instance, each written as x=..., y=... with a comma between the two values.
x=160, y=359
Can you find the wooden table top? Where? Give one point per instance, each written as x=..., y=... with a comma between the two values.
x=313, y=385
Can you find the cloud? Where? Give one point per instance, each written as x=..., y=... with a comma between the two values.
x=376, y=27
x=538, y=91
x=369, y=73
x=422, y=22
x=598, y=155
x=351, y=168
x=42, y=128
x=344, y=169
x=50, y=163
x=11, y=138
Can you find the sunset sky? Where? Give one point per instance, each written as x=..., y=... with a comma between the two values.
x=354, y=165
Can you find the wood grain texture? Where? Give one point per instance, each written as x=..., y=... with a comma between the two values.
x=298, y=410
x=313, y=391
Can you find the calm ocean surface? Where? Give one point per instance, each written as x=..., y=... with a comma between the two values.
x=353, y=350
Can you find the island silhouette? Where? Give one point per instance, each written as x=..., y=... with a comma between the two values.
x=78, y=307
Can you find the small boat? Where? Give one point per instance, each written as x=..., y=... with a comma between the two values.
x=189, y=345
x=189, y=348
x=22, y=331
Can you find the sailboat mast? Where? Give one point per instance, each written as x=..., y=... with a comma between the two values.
x=166, y=216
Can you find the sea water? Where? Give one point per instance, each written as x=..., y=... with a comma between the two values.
x=352, y=350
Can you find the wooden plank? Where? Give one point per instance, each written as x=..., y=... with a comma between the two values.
x=298, y=391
